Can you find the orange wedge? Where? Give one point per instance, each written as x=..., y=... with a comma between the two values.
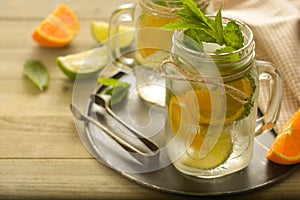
x=286, y=147
x=58, y=29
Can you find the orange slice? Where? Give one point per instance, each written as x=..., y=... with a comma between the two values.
x=208, y=102
x=175, y=114
x=58, y=29
x=68, y=18
x=286, y=147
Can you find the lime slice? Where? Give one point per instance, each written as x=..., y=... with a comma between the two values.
x=221, y=150
x=100, y=33
x=217, y=156
x=84, y=64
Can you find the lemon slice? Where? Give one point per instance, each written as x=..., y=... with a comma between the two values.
x=84, y=64
x=100, y=33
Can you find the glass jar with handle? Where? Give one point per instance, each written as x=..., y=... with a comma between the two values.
x=152, y=44
x=212, y=103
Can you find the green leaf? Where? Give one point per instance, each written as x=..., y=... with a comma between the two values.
x=108, y=81
x=191, y=9
x=233, y=35
x=112, y=82
x=207, y=36
x=118, y=93
x=201, y=28
x=192, y=40
x=37, y=73
x=230, y=57
x=179, y=25
x=218, y=27
x=118, y=90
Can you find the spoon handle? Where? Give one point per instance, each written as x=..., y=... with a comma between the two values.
x=151, y=145
x=135, y=152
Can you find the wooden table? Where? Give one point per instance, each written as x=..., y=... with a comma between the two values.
x=41, y=155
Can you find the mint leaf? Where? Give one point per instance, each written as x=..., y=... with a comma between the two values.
x=192, y=39
x=112, y=82
x=230, y=58
x=191, y=9
x=37, y=73
x=108, y=81
x=233, y=35
x=118, y=90
x=179, y=25
x=218, y=28
x=118, y=93
x=200, y=28
x=227, y=49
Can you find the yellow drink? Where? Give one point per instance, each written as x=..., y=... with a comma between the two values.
x=150, y=38
x=195, y=107
x=154, y=45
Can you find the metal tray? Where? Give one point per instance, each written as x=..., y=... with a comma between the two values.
x=164, y=177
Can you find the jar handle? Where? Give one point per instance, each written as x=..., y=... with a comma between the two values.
x=124, y=13
x=268, y=72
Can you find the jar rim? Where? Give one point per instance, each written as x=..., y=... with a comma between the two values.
x=168, y=10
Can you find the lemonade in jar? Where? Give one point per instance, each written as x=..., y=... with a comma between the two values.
x=152, y=44
x=212, y=91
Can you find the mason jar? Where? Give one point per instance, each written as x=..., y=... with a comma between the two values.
x=212, y=104
x=152, y=44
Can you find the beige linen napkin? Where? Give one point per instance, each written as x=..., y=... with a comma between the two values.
x=276, y=27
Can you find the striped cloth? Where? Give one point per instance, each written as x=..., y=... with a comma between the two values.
x=276, y=28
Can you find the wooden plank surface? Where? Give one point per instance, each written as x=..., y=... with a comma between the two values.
x=41, y=155
x=86, y=178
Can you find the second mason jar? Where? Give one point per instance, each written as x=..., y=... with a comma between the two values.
x=152, y=45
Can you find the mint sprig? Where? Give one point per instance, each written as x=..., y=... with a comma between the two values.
x=200, y=28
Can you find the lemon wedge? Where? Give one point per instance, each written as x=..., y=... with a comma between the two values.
x=99, y=31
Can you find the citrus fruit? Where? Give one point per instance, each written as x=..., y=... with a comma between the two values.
x=210, y=100
x=84, y=64
x=100, y=33
x=58, y=29
x=286, y=147
x=175, y=114
x=218, y=154
x=181, y=116
x=236, y=110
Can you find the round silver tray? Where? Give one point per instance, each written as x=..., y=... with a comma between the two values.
x=258, y=174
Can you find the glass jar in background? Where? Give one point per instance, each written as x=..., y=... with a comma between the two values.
x=212, y=103
x=152, y=45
